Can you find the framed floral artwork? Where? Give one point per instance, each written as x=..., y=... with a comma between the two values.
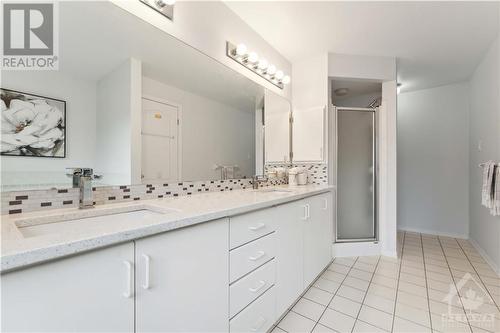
x=32, y=125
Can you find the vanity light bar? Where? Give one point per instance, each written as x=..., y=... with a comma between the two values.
x=250, y=60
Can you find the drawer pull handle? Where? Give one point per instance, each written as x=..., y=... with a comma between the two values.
x=257, y=227
x=259, y=324
x=128, y=292
x=258, y=256
x=256, y=289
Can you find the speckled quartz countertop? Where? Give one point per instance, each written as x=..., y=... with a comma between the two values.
x=20, y=249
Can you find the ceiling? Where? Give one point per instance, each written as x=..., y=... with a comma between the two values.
x=435, y=43
x=355, y=88
x=97, y=37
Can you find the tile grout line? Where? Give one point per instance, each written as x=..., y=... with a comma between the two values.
x=427, y=291
x=366, y=293
x=326, y=308
x=454, y=283
x=426, y=284
x=399, y=276
x=479, y=276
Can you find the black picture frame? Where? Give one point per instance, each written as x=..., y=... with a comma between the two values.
x=59, y=151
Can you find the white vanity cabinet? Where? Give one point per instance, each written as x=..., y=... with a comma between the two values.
x=305, y=239
x=290, y=218
x=236, y=274
x=91, y=292
x=182, y=280
x=318, y=235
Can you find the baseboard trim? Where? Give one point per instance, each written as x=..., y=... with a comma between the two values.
x=434, y=232
x=392, y=254
x=485, y=256
x=356, y=249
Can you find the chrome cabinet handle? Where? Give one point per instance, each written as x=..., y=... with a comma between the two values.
x=257, y=227
x=325, y=207
x=308, y=211
x=147, y=261
x=259, y=324
x=256, y=289
x=128, y=292
x=258, y=256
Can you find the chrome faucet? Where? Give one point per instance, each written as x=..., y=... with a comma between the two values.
x=82, y=178
x=258, y=179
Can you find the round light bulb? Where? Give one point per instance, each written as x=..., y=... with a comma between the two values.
x=286, y=79
x=253, y=57
x=241, y=49
x=271, y=69
x=263, y=64
x=279, y=75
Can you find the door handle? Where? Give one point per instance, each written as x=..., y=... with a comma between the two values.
x=128, y=266
x=305, y=212
x=325, y=207
x=308, y=210
x=256, y=289
x=257, y=227
x=258, y=256
x=147, y=261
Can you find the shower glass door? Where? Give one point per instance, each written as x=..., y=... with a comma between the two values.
x=356, y=179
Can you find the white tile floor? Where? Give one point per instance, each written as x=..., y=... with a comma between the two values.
x=438, y=284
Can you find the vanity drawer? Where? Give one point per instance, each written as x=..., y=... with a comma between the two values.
x=248, y=257
x=258, y=316
x=247, y=227
x=244, y=291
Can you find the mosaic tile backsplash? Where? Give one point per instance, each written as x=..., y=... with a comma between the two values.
x=317, y=172
x=35, y=200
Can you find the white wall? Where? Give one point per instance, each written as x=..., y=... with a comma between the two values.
x=80, y=97
x=361, y=67
x=433, y=154
x=485, y=128
x=359, y=101
x=207, y=25
x=212, y=133
x=382, y=69
x=118, y=124
x=310, y=85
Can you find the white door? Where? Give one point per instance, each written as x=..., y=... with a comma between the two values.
x=91, y=292
x=183, y=280
x=308, y=135
x=317, y=236
x=159, y=141
x=289, y=273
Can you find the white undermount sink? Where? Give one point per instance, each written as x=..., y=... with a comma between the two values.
x=89, y=218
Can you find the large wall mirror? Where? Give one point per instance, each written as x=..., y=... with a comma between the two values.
x=135, y=109
x=278, y=129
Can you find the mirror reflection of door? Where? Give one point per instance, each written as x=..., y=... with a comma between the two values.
x=160, y=141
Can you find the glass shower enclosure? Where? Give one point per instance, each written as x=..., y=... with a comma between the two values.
x=356, y=174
